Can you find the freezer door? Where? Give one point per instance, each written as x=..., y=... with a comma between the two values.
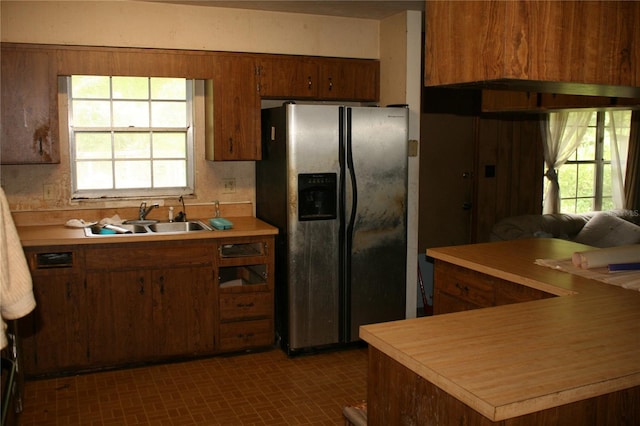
x=313, y=245
x=376, y=232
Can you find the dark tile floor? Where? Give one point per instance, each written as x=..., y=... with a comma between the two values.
x=263, y=388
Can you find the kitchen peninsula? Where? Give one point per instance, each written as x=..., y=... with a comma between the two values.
x=570, y=358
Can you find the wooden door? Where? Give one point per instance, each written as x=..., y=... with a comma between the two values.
x=120, y=321
x=446, y=180
x=184, y=311
x=29, y=107
x=234, y=103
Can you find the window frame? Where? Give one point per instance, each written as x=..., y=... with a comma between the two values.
x=599, y=164
x=101, y=194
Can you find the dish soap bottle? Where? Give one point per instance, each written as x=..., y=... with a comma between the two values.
x=170, y=214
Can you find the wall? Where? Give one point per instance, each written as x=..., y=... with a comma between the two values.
x=401, y=83
x=156, y=25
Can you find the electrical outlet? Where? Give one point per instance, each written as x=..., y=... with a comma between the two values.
x=49, y=191
x=228, y=185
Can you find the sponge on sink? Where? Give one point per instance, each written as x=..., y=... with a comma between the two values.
x=221, y=223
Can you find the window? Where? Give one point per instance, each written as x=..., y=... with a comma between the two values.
x=130, y=136
x=587, y=178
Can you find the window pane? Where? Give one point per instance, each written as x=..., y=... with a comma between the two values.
x=130, y=87
x=132, y=145
x=606, y=181
x=133, y=174
x=94, y=175
x=607, y=203
x=168, y=114
x=567, y=178
x=586, y=180
x=170, y=173
x=93, y=146
x=91, y=113
x=587, y=149
x=169, y=88
x=584, y=205
x=90, y=86
x=130, y=114
x=169, y=145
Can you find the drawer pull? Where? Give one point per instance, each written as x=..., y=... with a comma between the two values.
x=462, y=288
x=245, y=305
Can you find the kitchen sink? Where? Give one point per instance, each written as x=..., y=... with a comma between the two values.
x=152, y=228
x=130, y=229
x=179, y=226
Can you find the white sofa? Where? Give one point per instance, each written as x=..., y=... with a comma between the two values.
x=598, y=229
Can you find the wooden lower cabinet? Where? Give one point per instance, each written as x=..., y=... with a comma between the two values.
x=121, y=304
x=461, y=289
x=54, y=335
x=246, y=305
x=156, y=302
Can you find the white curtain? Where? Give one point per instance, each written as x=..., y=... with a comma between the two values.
x=618, y=162
x=562, y=133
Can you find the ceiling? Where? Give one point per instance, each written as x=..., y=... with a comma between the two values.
x=366, y=9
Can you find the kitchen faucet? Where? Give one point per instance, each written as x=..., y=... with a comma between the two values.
x=182, y=216
x=144, y=211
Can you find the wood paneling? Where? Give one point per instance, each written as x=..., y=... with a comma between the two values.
x=510, y=144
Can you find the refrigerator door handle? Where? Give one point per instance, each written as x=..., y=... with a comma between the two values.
x=352, y=178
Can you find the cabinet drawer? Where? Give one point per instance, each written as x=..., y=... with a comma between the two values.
x=246, y=334
x=470, y=286
x=245, y=305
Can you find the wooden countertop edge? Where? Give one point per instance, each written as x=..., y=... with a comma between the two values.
x=41, y=235
x=498, y=273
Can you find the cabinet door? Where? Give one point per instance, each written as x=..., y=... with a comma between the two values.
x=54, y=335
x=184, y=311
x=29, y=107
x=289, y=77
x=120, y=323
x=356, y=80
x=233, y=110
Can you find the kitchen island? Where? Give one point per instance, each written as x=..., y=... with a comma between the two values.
x=573, y=358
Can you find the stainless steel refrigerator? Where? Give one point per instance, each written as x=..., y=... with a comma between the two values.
x=333, y=179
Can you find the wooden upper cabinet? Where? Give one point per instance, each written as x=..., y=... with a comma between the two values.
x=570, y=47
x=29, y=90
x=290, y=77
x=349, y=79
x=232, y=109
x=303, y=77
